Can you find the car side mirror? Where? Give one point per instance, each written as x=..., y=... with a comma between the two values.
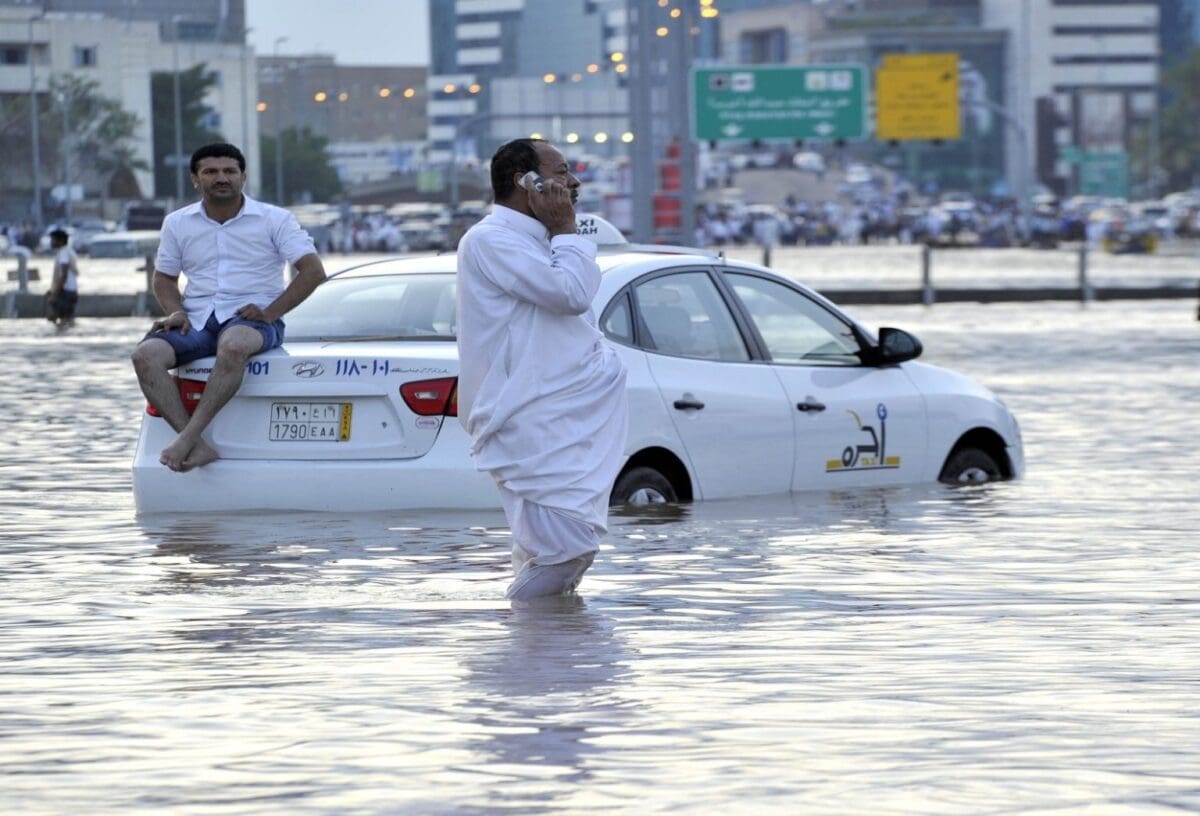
x=896, y=346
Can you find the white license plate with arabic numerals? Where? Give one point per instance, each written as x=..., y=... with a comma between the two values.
x=310, y=421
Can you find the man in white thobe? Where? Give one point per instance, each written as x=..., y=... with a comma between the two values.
x=540, y=393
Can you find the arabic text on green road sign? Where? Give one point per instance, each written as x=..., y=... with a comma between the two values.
x=810, y=102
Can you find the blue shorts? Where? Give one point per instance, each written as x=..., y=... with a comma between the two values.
x=199, y=343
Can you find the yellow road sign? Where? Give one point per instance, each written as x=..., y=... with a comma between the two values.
x=916, y=97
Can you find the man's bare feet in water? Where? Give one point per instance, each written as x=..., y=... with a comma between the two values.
x=181, y=455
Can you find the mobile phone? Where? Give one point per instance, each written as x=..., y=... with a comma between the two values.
x=532, y=181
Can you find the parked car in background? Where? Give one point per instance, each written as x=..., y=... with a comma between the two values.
x=130, y=244
x=79, y=234
x=741, y=382
x=424, y=236
x=809, y=161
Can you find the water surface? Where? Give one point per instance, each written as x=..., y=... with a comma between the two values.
x=1020, y=647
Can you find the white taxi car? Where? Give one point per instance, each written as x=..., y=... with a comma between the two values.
x=740, y=381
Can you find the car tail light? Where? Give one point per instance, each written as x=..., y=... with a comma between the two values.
x=432, y=397
x=190, y=391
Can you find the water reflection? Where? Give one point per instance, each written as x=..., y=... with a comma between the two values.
x=543, y=688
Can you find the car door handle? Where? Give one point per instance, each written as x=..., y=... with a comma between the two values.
x=810, y=404
x=686, y=404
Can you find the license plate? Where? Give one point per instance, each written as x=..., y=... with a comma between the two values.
x=310, y=421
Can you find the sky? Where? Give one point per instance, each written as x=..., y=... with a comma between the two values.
x=357, y=32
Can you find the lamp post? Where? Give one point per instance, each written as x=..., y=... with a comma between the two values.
x=66, y=149
x=36, y=135
x=1024, y=171
x=178, y=158
x=245, y=104
x=278, y=129
x=460, y=126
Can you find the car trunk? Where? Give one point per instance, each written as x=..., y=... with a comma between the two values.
x=335, y=401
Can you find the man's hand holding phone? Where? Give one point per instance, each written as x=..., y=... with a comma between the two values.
x=551, y=203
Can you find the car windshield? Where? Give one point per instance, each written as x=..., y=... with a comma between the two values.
x=385, y=307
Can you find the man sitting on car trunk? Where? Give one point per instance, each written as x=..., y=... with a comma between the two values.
x=540, y=393
x=232, y=249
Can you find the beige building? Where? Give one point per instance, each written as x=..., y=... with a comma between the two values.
x=120, y=55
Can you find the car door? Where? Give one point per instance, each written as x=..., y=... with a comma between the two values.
x=856, y=425
x=729, y=410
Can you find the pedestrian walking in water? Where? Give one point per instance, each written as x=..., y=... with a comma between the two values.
x=541, y=394
x=63, y=295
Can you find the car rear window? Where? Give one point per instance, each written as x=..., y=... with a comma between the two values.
x=387, y=307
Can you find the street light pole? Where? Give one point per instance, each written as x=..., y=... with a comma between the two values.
x=37, y=138
x=278, y=129
x=1025, y=170
x=178, y=159
x=66, y=148
x=459, y=126
x=245, y=105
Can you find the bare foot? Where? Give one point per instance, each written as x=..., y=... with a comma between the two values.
x=174, y=455
x=201, y=455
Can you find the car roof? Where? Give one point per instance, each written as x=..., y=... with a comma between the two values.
x=608, y=258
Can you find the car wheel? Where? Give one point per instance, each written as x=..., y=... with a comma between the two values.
x=641, y=486
x=970, y=466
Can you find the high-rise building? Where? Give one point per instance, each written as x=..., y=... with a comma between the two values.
x=1046, y=82
x=494, y=61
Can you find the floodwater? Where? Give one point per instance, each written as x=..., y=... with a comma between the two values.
x=1022, y=647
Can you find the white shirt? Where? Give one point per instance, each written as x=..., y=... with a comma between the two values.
x=66, y=258
x=230, y=265
x=540, y=392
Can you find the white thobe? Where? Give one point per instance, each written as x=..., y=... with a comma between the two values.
x=539, y=391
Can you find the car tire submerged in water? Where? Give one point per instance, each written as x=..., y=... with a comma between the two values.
x=970, y=466
x=643, y=485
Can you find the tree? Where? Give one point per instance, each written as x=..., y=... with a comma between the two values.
x=307, y=173
x=1179, y=152
x=196, y=117
x=94, y=132
x=75, y=122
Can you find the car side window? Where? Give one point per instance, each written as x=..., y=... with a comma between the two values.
x=686, y=316
x=617, y=323
x=795, y=329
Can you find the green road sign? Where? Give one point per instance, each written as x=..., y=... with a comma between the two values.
x=1104, y=174
x=743, y=103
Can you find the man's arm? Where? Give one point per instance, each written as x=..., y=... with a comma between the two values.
x=310, y=274
x=563, y=282
x=166, y=291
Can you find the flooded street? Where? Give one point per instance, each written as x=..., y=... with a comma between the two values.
x=1018, y=647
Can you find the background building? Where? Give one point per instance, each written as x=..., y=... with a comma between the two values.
x=492, y=62
x=373, y=116
x=40, y=41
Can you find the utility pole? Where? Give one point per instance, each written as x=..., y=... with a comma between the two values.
x=278, y=129
x=37, y=138
x=682, y=56
x=178, y=158
x=66, y=149
x=640, y=27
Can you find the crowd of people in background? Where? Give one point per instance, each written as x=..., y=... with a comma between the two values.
x=870, y=206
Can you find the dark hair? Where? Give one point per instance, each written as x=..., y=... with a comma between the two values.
x=517, y=156
x=58, y=236
x=218, y=150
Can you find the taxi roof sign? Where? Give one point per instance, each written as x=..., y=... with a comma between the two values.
x=599, y=230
